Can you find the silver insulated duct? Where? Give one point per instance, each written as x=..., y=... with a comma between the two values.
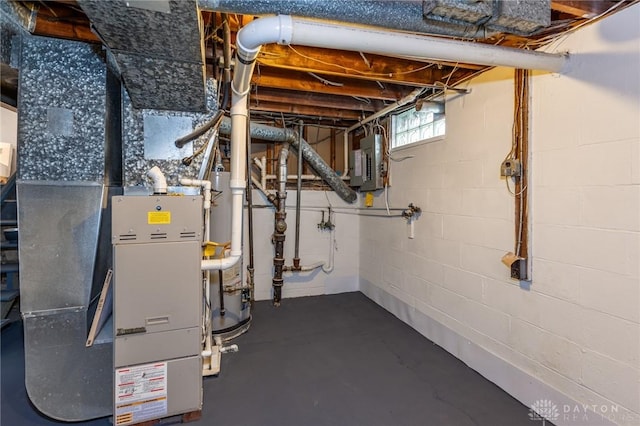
x=277, y=134
x=158, y=48
x=458, y=18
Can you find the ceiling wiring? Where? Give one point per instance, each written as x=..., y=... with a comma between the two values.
x=364, y=100
x=560, y=37
x=356, y=71
x=324, y=80
x=366, y=61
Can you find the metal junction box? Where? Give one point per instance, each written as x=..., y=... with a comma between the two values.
x=365, y=164
x=157, y=306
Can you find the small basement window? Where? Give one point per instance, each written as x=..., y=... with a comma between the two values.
x=411, y=126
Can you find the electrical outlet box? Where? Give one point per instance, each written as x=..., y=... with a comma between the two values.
x=511, y=167
x=519, y=270
x=365, y=164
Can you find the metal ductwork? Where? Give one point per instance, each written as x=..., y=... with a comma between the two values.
x=18, y=14
x=277, y=134
x=58, y=250
x=517, y=17
x=158, y=49
x=458, y=18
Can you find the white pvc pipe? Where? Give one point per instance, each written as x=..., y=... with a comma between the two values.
x=227, y=262
x=284, y=29
x=239, y=117
x=206, y=190
x=159, y=181
x=358, y=39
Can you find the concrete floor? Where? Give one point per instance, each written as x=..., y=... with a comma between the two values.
x=327, y=360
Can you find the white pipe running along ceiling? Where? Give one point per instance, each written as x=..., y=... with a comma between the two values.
x=286, y=30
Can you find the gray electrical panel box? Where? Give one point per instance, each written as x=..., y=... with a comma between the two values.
x=157, y=306
x=365, y=164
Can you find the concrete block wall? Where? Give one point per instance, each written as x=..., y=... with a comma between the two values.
x=315, y=246
x=9, y=131
x=573, y=336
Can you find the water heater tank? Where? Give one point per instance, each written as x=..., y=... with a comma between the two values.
x=230, y=304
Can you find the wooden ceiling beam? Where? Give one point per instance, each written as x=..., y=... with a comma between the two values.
x=581, y=8
x=66, y=30
x=315, y=100
x=295, y=80
x=275, y=119
x=319, y=112
x=353, y=65
x=64, y=19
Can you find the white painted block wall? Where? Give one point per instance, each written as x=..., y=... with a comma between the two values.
x=315, y=246
x=574, y=336
x=9, y=130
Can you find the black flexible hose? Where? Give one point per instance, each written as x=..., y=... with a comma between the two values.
x=215, y=121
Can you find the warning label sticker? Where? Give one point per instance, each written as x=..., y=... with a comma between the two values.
x=141, y=393
x=159, y=218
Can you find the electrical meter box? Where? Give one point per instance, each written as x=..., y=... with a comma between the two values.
x=365, y=164
x=157, y=306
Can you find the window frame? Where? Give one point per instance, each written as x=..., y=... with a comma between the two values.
x=394, y=133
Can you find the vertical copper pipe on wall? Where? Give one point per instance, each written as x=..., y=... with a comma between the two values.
x=522, y=153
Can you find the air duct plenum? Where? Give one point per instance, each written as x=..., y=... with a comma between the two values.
x=458, y=18
x=397, y=15
x=158, y=48
x=460, y=11
x=518, y=17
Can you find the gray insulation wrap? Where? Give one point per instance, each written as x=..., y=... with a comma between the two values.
x=399, y=15
x=275, y=134
x=62, y=108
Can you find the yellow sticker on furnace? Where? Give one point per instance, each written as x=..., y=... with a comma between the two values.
x=159, y=218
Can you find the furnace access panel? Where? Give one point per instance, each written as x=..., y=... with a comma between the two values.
x=157, y=306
